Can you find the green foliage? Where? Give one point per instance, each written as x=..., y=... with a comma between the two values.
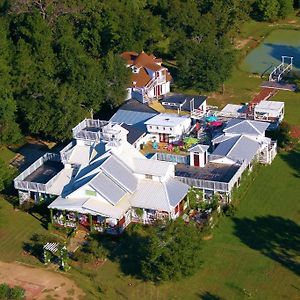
x=199, y=67
x=270, y=10
x=7, y=173
x=92, y=249
x=36, y=243
x=9, y=130
x=285, y=8
x=60, y=59
x=139, y=212
x=195, y=197
x=172, y=252
x=11, y=293
x=283, y=136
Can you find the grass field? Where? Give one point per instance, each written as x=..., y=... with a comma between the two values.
x=6, y=154
x=16, y=227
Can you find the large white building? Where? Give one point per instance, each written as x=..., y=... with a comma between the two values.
x=102, y=182
x=168, y=127
x=149, y=78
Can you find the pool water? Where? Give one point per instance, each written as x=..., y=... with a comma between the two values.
x=268, y=54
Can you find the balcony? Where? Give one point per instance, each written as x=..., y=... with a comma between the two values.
x=89, y=129
x=40, y=176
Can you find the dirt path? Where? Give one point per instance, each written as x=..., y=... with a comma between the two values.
x=38, y=283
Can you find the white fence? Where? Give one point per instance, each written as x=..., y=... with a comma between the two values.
x=65, y=153
x=79, y=131
x=21, y=184
x=181, y=159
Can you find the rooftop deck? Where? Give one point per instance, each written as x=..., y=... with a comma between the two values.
x=89, y=129
x=45, y=172
x=211, y=172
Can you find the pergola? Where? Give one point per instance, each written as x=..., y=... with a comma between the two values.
x=56, y=250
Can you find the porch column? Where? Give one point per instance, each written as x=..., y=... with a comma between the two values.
x=91, y=222
x=51, y=215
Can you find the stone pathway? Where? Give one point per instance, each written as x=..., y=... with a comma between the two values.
x=77, y=240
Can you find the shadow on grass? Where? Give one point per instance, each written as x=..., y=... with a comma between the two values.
x=275, y=237
x=209, y=296
x=128, y=250
x=292, y=158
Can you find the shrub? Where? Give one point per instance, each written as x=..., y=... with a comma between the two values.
x=11, y=293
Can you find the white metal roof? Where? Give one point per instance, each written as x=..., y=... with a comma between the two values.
x=270, y=106
x=238, y=148
x=157, y=195
x=239, y=126
x=106, y=209
x=168, y=120
x=120, y=173
x=233, y=109
x=107, y=188
x=152, y=167
x=93, y=206
x=199, y=148
x=61, y=180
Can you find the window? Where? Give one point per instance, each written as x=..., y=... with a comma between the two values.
x=90, y=193
x=164, y=128
x=157, y=127
x=171, y=129
x=150, y=127
x=148, y=176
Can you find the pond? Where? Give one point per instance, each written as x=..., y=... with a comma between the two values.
x=268, y=54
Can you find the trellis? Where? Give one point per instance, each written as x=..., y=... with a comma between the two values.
x=56, y=250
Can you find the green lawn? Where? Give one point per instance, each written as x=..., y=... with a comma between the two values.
x=16, y=227
x=244, y=256
x=6, y=154
x=292, y=106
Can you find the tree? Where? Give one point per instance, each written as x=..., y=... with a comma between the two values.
x=285, y=8
x=204, y=66
x=9, y=129
x=267, y=10
x=6, y=175
x=172, y=252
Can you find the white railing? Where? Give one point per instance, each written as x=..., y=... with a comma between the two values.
x=182, y=159
x=65, y=153
x=161, y=79
x=205, y=184
x=237, y=175
x=151, y=84
x=21, y=184
x=232, y=115
x=79, y=131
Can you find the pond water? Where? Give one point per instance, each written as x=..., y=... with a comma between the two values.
x=268, y=54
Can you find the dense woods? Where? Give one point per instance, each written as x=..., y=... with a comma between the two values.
x=59, y=59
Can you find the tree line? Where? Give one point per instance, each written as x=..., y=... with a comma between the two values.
x=59, y=59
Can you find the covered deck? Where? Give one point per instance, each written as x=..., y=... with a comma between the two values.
x=215, y=177
x=40, y=176
x=88, y=221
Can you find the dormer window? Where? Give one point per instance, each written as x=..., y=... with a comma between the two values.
x=148, y=176
x=135, y=69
